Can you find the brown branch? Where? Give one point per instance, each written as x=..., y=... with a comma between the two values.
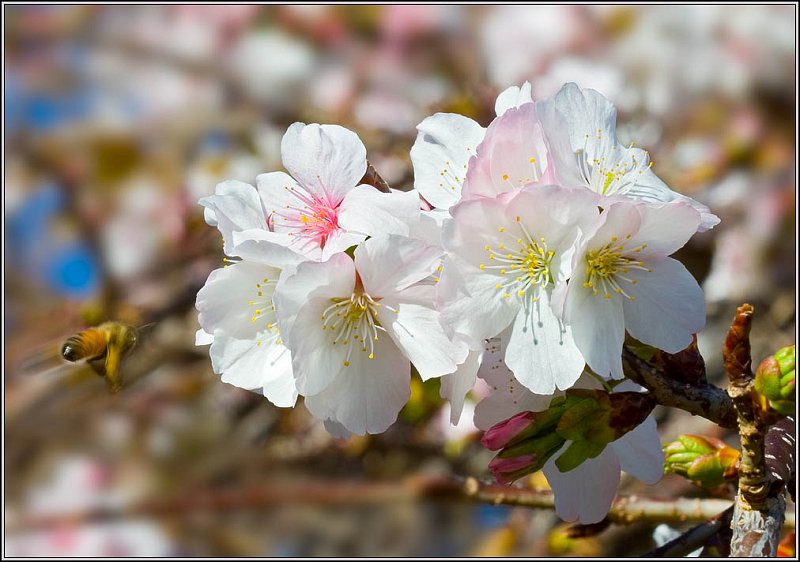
x=758, y=513
x=700, y=399
x=624, y=510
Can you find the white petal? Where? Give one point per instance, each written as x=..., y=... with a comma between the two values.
x=263, y=246
x=278, y=192
x=236, y=206
x=597, y=328
x=230, y=299
x=327, y=160
x=416, y=330
x=541, y=352
x=366, y=396
x=336, y=429
x=668, y=306
x=585, y=493
x=455, y=386
x=639, y=452
x=445, y=142
x=332, y=278
x=369, y=212
x=470, y=302
x=388, y=264
x=513, y=97
x=201, y=337
x=651, y=188
x=664, y=227
x=508, y=396
x=279, y=387
x=264, y=368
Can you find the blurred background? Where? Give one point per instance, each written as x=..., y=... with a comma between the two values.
x=118, y=119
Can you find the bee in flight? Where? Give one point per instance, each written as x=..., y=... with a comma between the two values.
x=103, y=347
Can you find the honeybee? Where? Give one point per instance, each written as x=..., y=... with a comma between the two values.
x=103, y=347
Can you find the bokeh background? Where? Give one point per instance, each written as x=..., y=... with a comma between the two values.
x=118, y=119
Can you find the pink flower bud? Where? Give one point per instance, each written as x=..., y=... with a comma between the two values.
x=500, y=435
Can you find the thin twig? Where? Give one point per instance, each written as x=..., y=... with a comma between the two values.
x=692, y=539
x=625, y=509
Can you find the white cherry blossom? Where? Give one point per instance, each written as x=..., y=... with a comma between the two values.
x=504, y=257
x=237, y=317
x=580, y=128
x=623, y=280
x=355, y=326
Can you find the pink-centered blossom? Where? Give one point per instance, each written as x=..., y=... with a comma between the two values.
x=319, y=208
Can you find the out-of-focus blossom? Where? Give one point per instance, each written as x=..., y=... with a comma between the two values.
x=271, y=66
x=518, y=41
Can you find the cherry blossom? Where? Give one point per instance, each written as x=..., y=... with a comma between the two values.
x=319, y=209
x=504, y=257
x=355, y=326
x=580, y=128
x=623, y=280
x=237, y=317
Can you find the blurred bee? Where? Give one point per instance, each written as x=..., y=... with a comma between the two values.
x=103, y=347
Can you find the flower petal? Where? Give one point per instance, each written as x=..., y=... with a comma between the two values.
x=470, y=303
x=665, y=227
x=327, y=160
x=512, y=155
x=236, y=206
x=246, y=364
x=230, y=298
x=444, y=144
x=639, y=452
x=455, y=386
x=669, y=306
x=369, y=212
x=335, y=277
x=511, y=97
x=263, y=246
x=597, y=328
x=388, y=264
x=416, y=330
x=541, y=352
x=651, y=188
x=366, y=396
x=585, y=493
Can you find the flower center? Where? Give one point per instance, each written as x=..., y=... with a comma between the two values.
x=312, y=220
x=615, y=175
x=354, y=322
x=607, y=267
x=524, y=263
x=264, y=311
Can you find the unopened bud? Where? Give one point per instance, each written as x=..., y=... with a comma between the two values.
x=775, y=381
x=707, y=461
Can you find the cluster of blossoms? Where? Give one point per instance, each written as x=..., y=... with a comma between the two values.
x=523, y=254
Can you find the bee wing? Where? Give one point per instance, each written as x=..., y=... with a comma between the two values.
x=44, y=360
